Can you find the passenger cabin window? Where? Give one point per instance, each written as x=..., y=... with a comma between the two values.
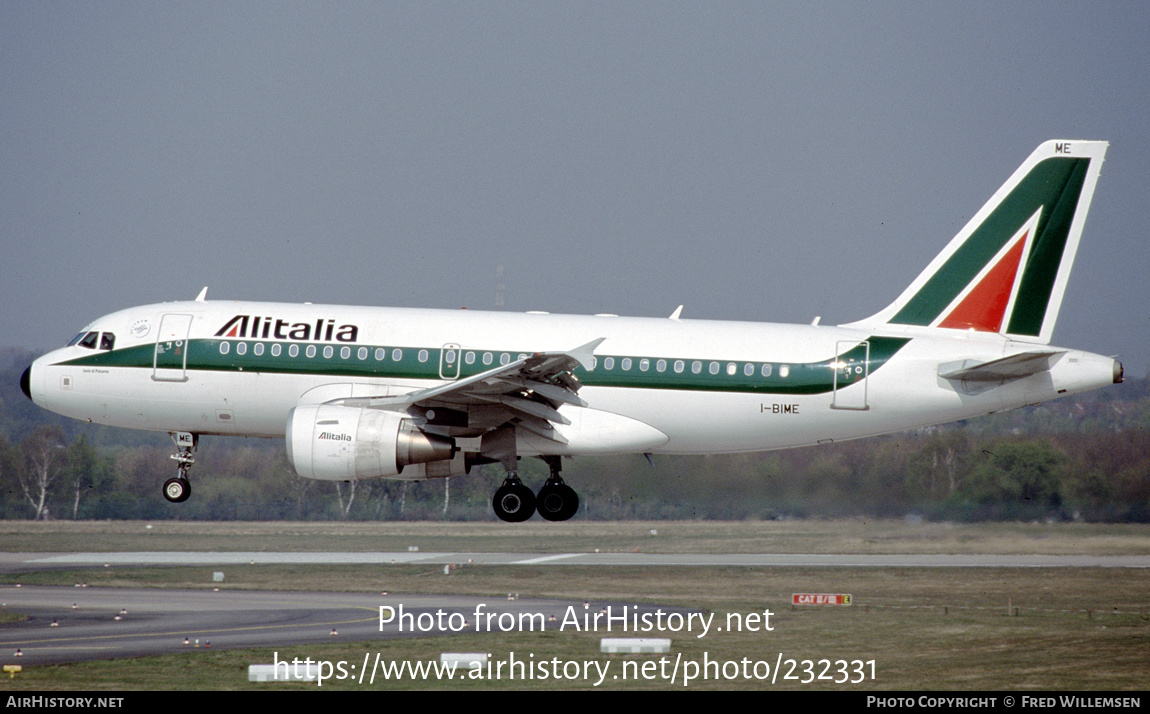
x=107, y=341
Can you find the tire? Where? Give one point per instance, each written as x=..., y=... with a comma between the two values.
x=177, y=490
x=557, y=502
x=514, y=503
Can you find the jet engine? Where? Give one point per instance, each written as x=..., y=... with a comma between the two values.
x=335, y=443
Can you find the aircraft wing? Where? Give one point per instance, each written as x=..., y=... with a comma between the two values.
x=528, y=391
x=1000, y=370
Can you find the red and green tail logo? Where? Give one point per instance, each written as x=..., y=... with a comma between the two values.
x=1006, y=271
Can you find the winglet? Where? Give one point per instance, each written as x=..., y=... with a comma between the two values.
x=203, y=294
x=678, y=311
x=585, y=355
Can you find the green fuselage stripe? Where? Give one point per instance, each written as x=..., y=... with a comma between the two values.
x=800, y=378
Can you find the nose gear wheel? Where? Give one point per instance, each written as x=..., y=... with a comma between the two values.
x=177, y=490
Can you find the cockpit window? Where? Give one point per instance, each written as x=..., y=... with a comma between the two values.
x=107, y=341
x=75, y=339
x=89, y=340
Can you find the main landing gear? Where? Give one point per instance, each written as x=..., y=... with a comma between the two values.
x=556, y=501
x=178, y=489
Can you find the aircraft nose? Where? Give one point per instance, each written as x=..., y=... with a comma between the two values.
x=26, y=382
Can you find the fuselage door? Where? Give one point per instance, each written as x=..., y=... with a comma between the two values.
x=450, y=358
x=851, y=368
x=171, y=359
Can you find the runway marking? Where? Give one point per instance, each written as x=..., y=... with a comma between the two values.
x=547, y=558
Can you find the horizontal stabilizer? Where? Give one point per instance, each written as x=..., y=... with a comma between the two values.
x=1000, y=370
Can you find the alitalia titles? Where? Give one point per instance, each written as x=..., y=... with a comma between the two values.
x=261, y=327
x=333, y=437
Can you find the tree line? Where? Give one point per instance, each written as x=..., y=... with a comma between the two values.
x=1086, y=457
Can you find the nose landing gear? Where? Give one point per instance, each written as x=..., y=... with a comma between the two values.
x=178, y=489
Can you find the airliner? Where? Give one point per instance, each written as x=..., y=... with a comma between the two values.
x=369, y=392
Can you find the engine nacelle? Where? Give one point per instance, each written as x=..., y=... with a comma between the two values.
x=336, y=443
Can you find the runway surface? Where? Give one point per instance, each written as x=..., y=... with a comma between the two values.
x=107, y=623
x=15, y=561
x=104, y=623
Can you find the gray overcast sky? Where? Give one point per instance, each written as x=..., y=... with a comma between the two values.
x=751, y=160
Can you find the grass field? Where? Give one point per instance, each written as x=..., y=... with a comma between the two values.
x=924, y=628
x=793, y=536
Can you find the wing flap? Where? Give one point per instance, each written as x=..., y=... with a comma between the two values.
x=541, y=427
x=556, y=393
x=533, y=408
x=533, y=386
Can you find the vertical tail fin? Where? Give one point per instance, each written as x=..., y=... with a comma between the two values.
x=1006, y=270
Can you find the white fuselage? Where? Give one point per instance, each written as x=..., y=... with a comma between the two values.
x=658, y=385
